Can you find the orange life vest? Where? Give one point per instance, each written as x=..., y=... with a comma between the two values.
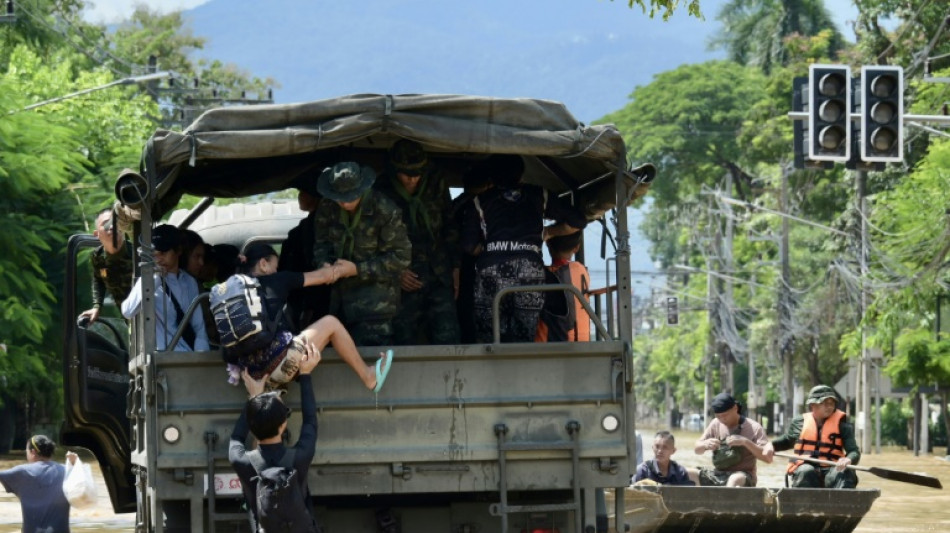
x=825, y=443
x=575, y=325
x=580, y=279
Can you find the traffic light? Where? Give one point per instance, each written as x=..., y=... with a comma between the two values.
x=829, y=113
x=882, y=112
x=672, y=311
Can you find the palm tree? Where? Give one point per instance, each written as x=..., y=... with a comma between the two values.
x=754, y=31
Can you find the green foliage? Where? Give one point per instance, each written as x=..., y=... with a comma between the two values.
x=58, y=163
x=754, y=32
x=169, y=39
x=652, y=7
x=894, y=417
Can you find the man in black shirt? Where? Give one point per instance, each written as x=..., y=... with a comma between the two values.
x=265, y=414
x=306, y=305
x=506, y=230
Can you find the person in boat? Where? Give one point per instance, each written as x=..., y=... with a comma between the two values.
x=737, y=444
x=822, y=433
x=662, y=469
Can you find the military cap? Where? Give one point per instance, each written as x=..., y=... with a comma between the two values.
x=820, y=393
x=345, y=182
x=408, y=157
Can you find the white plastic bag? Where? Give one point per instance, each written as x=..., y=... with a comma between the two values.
x=79, y=487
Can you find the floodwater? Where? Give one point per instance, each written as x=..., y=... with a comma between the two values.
x=902, y=507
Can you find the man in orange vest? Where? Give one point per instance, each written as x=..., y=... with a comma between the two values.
x=823, y=433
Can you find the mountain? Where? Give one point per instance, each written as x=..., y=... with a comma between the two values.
x=588, y=54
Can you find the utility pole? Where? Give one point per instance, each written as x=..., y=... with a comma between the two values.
x=727, y=363
x=712, y=304
x=784, y=312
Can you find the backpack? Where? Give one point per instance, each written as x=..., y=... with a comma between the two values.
x=281, y=504
x=240, y=316
x=726, y=456
x=557, y=316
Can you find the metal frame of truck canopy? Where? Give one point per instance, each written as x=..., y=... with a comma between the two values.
x=236, y=152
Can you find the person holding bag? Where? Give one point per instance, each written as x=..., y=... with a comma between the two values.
x=38, y=484
x=736, y=442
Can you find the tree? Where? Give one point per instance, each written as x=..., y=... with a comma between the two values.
x=667, y=6
x=195, y=86
x=58, y=163
x=687, y=121
x=754, y=31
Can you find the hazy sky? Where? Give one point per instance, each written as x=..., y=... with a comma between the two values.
x=112, y=11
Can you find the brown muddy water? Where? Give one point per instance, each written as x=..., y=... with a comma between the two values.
x=902, y=507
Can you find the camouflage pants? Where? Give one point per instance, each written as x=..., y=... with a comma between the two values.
x=518, y=312
x=810, y=476
x=427, y=316
x=367, y=311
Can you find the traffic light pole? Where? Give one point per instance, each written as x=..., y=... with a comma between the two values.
x=863, y=403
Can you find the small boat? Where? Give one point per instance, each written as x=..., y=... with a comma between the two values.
x=676, y=509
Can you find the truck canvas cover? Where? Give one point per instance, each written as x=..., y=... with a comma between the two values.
x=240, y=151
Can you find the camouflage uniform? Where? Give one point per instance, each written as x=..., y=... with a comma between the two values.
x=365, y=303
x=428, y=315
x=113, y=273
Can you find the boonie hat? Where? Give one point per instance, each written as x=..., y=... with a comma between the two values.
x=408, y=157
x=345, y=182
x=722, y=402
x=165, y=237
x=820, y=393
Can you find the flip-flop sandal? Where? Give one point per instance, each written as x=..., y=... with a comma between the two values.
x=383, y=371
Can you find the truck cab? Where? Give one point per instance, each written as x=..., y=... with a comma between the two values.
x=471, y=437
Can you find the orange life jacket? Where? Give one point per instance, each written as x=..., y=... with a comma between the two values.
x=575, y=324
x=825, y=443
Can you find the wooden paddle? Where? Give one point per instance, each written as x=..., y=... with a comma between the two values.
x=896, y=475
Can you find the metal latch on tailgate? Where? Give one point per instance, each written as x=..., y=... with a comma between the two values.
x=616, y=370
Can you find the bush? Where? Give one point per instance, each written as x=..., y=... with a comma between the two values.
x=894, y=420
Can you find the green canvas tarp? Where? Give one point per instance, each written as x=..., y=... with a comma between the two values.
x=240, y=151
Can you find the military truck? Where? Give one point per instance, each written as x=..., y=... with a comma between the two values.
x=498, y=437
x=486, y=437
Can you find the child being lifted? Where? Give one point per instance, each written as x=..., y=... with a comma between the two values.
x=279, y=358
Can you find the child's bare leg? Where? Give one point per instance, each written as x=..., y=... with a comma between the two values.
x=329, y=330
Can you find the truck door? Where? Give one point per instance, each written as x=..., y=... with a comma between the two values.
x=96, y=378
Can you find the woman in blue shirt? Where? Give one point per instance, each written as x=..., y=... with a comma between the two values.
x=39, y=486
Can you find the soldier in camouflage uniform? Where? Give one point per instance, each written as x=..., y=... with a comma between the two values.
x=360, y=233
x=427, y=310
x=111, y=265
